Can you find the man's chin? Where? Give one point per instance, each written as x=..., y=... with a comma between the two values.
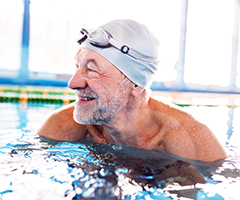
x=79, y=118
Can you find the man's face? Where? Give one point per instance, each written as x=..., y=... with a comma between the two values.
x=101, y=89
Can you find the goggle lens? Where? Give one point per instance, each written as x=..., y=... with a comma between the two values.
x=99, y=37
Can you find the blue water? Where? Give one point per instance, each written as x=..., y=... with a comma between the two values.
x=38, y=168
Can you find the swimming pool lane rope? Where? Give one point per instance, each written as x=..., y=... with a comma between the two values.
x=36, y=94
x=66, y=96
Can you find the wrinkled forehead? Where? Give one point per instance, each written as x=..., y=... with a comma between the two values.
x=87, y=53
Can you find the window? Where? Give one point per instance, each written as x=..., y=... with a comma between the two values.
x=11, y=20
x=209, y=42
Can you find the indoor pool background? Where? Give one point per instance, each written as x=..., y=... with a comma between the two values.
x=37, y=168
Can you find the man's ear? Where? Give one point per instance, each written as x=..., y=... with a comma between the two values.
x=137, y=90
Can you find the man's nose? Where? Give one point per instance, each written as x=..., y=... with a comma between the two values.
x=78, y=80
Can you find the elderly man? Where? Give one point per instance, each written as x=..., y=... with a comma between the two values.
x=115, y=67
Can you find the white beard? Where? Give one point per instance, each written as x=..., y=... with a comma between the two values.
x=103, y=112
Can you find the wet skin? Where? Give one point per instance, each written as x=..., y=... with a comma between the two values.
x=111, y=109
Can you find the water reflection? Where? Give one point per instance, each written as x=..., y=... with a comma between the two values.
x=89, y=170
x=86, y=170
x=24, y=115
x=145, y=170
x=233, y=145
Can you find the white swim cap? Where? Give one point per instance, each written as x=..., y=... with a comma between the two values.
x=129, y=46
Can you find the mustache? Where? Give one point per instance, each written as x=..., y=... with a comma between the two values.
x=86, y=93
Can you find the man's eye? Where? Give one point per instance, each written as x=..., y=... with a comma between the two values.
x=91, y=67
x=91, y=70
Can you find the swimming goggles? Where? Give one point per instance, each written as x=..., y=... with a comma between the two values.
x=101, y=38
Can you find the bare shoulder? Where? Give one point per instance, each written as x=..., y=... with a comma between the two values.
x=184, y=136
x=60, y=125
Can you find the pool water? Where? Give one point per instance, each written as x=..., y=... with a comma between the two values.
x=38, y=168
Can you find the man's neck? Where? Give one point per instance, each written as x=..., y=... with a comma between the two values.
x=133, y=125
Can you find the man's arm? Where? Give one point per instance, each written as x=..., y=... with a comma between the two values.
x=60, y=125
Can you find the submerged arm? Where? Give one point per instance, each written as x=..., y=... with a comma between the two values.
x=60, y=125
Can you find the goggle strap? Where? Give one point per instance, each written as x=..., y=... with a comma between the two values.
x=81, y=40
x=125, y=49
x=84, y=32
x=141, y=57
